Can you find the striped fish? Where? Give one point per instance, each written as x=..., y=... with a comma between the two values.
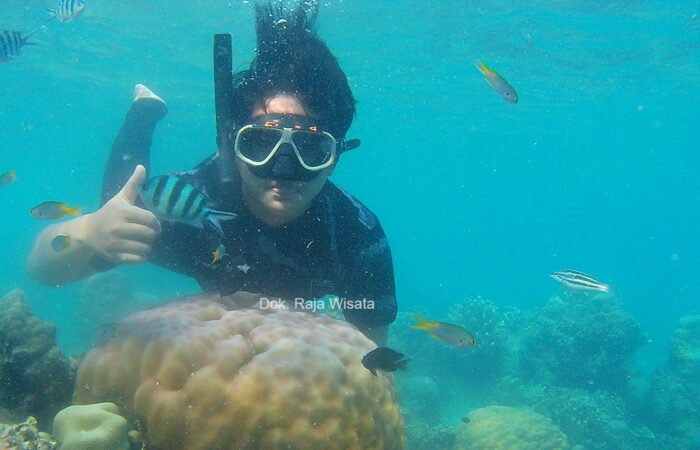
x=11, y=43
x=66, y=10
x=173, y=198
x=579, y=281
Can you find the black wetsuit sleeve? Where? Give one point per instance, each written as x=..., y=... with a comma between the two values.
x=182, y=248
x=132, y=145
x=371, y=278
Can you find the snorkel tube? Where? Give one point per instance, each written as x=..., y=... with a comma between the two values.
x=223, y=93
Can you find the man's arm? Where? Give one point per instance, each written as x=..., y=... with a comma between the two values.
x=55, y=268
x=119, y=233
x=378, y=334
x=372, y=279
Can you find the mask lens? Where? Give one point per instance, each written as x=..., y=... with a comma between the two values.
x=315, y=149
x=257, y=143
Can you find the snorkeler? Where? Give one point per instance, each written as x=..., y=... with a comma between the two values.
x=296, y=234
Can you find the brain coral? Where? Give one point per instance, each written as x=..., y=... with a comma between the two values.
x=197, y=375
x=501, y=428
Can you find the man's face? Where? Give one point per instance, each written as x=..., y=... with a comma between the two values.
x=276, y=202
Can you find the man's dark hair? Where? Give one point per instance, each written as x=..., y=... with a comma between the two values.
x=292, y=59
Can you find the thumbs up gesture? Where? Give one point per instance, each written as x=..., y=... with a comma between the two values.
x=120, y=231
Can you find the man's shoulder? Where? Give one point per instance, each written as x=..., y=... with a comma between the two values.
x=349, y=209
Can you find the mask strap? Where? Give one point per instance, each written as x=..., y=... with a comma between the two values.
x=350, y=144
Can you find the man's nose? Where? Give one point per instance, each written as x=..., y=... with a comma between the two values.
x=286, y=162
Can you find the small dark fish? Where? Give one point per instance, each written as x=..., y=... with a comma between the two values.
x=11, y=43
x=60, y=243
x=579, y=281
x=445, y=332
x=7, y=178
x=173, y=198
x=385, y=359
x=66, y=10
x=54, y=210
x=498, y=83
x=465, y=419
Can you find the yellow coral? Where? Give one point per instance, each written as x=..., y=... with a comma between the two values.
x=91, y=427
x=503, y=428
x=200, y=376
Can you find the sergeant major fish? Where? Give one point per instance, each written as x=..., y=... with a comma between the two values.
x=11, y=43
x=445, y=332
x=579, y=281
x=498, y=83
x=66, y=10
x=173, y=198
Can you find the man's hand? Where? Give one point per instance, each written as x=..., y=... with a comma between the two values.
x=121, y=232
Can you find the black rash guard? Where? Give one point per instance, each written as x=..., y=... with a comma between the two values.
x=337, y=247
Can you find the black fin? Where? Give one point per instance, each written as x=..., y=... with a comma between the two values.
x=402, y=364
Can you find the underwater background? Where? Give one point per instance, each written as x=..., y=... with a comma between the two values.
x=595, y=169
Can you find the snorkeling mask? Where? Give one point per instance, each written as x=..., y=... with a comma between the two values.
x=285, y=146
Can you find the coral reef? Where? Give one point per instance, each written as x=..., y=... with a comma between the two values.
x=92, y=427
x=579, y=341
x=502, y=428
x=198, y=375
x=421, y=436
x=495, y=330
x=418, y=395
x=675, y=391
x=25, y=436
x=35, y=377
x=591, y=419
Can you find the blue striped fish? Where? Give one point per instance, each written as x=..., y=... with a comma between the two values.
x=579, y=281
x=173, y=198
x=11, y=43
x=66, y=10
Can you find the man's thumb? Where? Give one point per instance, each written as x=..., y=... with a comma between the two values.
x=130, y=191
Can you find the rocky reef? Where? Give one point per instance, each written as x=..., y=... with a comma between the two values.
x=36, y=379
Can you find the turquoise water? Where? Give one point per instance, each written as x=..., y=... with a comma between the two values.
x=595, y=168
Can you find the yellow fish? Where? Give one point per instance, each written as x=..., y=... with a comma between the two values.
x=218, y=254
x=498, y=83
x=54, y=210
x=445, y=332
x=7, y=178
